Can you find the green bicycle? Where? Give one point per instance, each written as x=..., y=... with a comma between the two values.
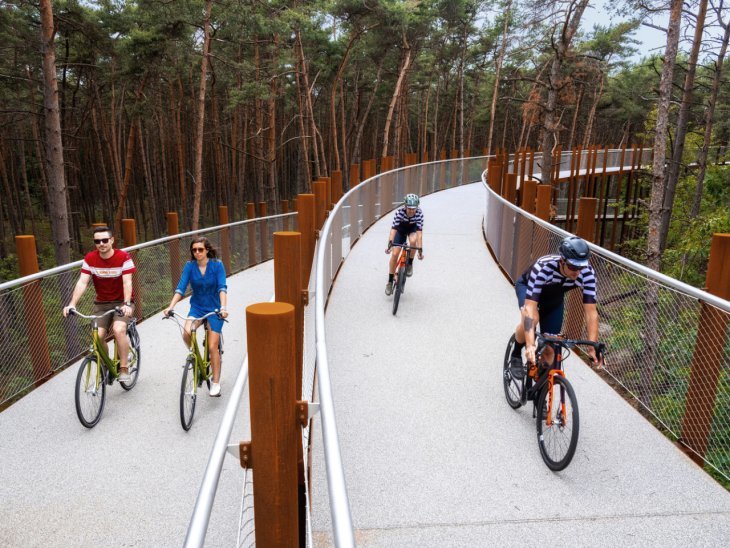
x=99, y=369
x=197, y=366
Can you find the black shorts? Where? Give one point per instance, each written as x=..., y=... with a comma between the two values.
x=550, y=308
x=402, y=237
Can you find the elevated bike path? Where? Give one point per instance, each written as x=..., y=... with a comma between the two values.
x=433, y=454
x=132, y=480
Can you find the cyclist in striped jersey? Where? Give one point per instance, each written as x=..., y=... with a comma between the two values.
x=407, y=225
x=540, y=295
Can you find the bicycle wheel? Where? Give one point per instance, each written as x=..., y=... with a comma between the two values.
x=188, y=392
x=90, y=393
x=135, y=357
x=558, y=440
x=399, y=285
x=512, y=387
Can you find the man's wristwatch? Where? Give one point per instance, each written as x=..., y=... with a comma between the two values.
x=127, y=303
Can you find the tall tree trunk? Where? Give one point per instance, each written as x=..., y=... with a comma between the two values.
x=356, y=153
x=592, y=113
x=682, y=120
x=574, y=124
x=129, y=159
x=53, y=142
x=653, y=252
x=650, y=328
x=396, y=92
x=550, y=122
x=354, y=35
x=198, y=170
x=497, y=72
x=271, y=194
x=709, y=117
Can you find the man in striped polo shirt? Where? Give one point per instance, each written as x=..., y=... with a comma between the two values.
x=540, y=295
x=407, y=224
x=111, y=272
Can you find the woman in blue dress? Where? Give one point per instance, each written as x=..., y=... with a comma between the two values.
x=207, y=277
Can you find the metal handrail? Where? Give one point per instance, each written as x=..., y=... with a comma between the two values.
x=644, y=270
x=70, y=266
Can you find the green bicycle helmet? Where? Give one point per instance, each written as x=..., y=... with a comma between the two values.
x=411, y=200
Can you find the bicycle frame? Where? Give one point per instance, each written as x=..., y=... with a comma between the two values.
x=201, y=361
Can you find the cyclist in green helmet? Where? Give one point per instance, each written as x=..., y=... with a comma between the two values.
x=407, y=225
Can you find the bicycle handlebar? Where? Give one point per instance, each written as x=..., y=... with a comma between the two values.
x=599, y=347
x=406, y=246
x=213, y=313
x=74, y=312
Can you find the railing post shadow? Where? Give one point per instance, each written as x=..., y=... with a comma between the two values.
x=33, y=303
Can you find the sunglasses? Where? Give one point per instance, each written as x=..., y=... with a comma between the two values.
x=101, y=241
x=199, y=250
x=572, y=268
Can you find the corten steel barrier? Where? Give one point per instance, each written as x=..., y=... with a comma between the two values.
x=155, y=282
x=652, y=356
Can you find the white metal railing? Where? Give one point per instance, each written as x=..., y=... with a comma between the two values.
x=649, y=353
x=154, y=280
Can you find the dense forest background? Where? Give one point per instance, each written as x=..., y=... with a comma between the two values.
x=134, y=108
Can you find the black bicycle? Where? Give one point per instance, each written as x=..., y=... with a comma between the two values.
x=399, y=280
x=555, y=407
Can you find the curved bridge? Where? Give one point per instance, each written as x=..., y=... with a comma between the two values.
x=432, y=454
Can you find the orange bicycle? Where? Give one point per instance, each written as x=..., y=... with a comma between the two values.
x=399, y=280
x=555, y=407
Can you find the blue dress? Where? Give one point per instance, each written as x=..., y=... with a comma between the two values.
x=206, y=290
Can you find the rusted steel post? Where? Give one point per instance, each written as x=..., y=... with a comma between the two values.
x=264, y=232
x=336, y=186
x=35, y=321
x=129, y=235
x=442, y=171
x=306, y=217
x=173, y=246
x=225, y=238
x=285, y=209
x=270, y=333
x=586, y=225
x=543, y=202
x=354, y=175
x=531, y=165
x=251, y=214
x=320, y=192
x=709, y=352
x=494, y=175
x=288, y=289
x=529, y=193
x=327, y=193
x=603, y=199
x=619, y=180
x=510, y=190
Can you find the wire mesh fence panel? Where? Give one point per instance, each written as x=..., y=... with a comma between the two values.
x=661, y=339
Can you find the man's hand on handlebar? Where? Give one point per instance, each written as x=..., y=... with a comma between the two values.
x=390, y=246
x=68, y=310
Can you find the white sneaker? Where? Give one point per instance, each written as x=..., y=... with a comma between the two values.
x=215, y=389
x=124, y=377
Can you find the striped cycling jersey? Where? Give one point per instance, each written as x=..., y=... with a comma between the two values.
x=544, y=278
x=404, y=223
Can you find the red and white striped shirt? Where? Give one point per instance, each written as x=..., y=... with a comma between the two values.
x=107, y=273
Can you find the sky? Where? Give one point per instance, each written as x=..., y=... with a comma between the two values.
x=652, y=41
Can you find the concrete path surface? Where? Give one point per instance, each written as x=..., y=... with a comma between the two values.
x=132, y=480
x=433, y=454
